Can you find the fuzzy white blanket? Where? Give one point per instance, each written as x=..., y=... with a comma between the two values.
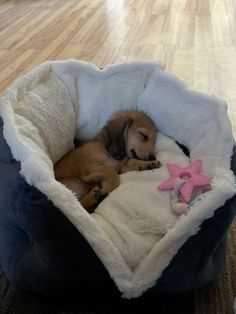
x=133, y=231
x=136, y=215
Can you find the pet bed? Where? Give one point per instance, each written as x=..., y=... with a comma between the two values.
x=133, y=242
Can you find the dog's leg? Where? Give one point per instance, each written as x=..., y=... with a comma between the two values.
x=91, y=199
x=110, y=180
x=139, y=165
x=105, y=179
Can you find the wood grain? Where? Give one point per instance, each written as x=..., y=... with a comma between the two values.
x=196, y=39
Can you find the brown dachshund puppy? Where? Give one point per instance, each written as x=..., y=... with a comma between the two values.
x=125, y=143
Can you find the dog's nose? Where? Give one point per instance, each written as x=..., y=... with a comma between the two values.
x=151, y=157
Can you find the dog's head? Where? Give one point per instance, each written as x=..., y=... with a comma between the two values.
x=130, y=134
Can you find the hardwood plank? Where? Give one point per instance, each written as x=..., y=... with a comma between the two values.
x=194, y=38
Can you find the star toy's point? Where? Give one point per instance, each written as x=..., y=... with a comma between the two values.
x=190, y=174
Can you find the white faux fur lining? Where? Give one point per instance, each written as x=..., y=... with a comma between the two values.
x=40, y=174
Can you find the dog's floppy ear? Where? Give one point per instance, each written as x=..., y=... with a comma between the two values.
x=114, y=136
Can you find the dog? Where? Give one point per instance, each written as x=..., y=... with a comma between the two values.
x=125, y=143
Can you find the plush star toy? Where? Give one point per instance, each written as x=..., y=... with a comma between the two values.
x=190, y=174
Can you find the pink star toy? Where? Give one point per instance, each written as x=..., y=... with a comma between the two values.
x=190, y=174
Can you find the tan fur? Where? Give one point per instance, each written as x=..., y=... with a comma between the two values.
x=126, y=143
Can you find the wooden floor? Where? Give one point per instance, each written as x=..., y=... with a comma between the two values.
x=196, y=39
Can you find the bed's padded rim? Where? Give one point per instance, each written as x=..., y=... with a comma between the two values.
x=53, y=258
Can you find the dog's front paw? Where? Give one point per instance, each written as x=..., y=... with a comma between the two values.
x=154, y=165
x=149, y=165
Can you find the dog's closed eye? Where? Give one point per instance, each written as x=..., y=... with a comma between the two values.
x=143, y=136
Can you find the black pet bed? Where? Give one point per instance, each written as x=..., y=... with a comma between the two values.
x=49, y=245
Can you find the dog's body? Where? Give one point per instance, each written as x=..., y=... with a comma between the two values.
x=124, y=144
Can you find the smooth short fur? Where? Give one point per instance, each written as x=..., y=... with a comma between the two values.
x=125, y=143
